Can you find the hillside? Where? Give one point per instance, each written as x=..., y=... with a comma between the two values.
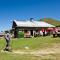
x=51, y=21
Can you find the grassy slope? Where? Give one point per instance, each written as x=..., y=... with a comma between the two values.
x=51, y=21
x=32, y=43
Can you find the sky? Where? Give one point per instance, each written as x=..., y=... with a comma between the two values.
x=24, y=9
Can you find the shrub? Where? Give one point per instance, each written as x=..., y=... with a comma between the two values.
x=20, y=34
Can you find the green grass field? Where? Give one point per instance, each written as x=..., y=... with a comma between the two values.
x=33, y=44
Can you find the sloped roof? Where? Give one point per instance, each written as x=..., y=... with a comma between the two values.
x=32, y=24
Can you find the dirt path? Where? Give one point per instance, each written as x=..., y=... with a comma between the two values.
x=39, y=52
x=53, y=50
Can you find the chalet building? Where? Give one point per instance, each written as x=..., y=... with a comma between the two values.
x=29, y=27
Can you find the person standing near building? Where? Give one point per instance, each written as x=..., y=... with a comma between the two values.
x=43, y=30
x=7, y=38
x=54, y=32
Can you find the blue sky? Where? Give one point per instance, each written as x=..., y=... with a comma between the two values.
x=25, y=9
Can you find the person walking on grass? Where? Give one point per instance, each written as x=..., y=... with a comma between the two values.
x=7, y=38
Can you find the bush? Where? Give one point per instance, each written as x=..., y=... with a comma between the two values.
x=20, y=34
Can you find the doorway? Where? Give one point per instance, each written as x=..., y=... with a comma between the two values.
x=31, y=32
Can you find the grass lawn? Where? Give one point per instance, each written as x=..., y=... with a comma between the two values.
x=32, y=44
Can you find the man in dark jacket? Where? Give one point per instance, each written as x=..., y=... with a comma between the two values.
x=7, y=38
